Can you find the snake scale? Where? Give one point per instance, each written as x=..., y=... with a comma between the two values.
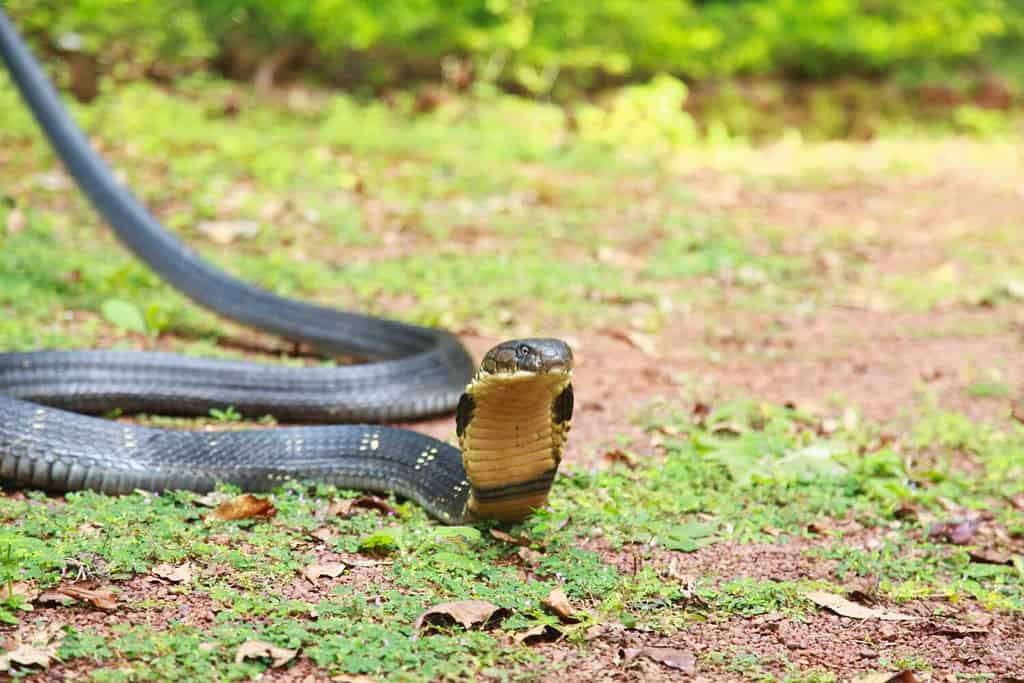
x=512, y=418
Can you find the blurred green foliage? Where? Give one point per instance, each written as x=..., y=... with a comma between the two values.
x=538, y=45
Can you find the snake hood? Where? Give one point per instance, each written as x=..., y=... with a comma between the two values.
x=512, y=423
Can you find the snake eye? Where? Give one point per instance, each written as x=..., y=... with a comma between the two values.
x=523, y=351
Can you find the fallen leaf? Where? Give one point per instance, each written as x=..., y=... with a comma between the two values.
x=558, y=603
x=531, y=558
x=846, y=608
x=347, y=508
x=990, y=557
x=906, y=511
x=245, y=506
x=226, y=232
x=97, y=598
x=957, y=533
x=357, y=678
x=509, y=538
x=39, y=650
x=28, y=655
x=21, y=589
x=620, y=456
x=469, y=613
x=864, y=591
x=642, y=342
x=54, y=597
x=329, y=569
x=257, y=649
x=888, y=677
x=820, y=527
x=339, y=508
x=541, y=633
x=671, y=657
x=374, y=503
x=323, y=534
x=954, y=630
x=211, y=499
x=364, y=562
x=175, y=574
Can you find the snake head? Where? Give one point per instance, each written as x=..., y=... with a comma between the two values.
x=535, y=356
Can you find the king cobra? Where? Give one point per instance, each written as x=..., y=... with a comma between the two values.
x=512, y=414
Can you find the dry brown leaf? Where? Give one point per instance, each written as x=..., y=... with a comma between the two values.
x=28, y=655
x=211, y=499
x=864, y=591
x=97, y=598
x=257, y=649
x=822, y=526
x=638, y=340
x=990, y=556
x=671, y=657
x=888, y=677
x=468, y=613
x=364, y=562
x=23, y=589
x=245, y=506
x=846, y=608
x=958, y=533
x=323, y=534
x=175, y=574
x=339, y=508
x=522, y=540
x=956, y=630
x=531, y=558
x=541, y=633
x=40, y=649
x=329, y=569
x=53, y=597
x=353, y=678
x=619, y=456
x=347, y=508
x=558, y=603
x=374, y=503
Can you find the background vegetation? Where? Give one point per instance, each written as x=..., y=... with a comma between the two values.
x=539, y=46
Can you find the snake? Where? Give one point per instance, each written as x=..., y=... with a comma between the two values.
x=512, y=412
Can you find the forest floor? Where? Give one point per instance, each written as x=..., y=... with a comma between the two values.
x=798, y=448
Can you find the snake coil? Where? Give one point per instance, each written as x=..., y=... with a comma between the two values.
x=414, y=372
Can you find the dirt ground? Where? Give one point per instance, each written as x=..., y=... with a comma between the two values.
x=879, y=362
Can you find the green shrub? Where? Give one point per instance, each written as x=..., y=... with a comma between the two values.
x=538, y=45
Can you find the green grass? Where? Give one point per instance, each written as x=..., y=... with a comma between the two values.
x=491, y=215
x=706, y=488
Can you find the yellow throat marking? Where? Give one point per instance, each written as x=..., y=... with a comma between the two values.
x=513, y=439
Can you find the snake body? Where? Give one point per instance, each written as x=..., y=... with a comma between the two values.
x=513, y=407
